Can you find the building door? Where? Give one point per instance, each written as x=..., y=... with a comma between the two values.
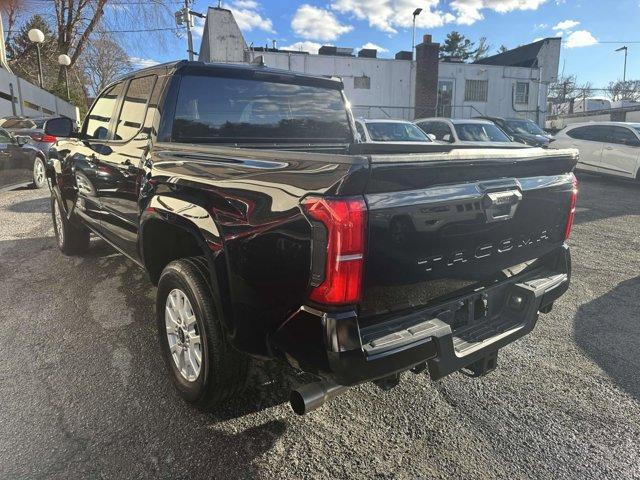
x=445, y=98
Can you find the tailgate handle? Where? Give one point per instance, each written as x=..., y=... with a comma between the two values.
x=499, y=206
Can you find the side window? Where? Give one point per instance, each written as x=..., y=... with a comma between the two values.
x=598, y=133
x=623, y=136
x=134, y=107
x=360, y=130
x=4, y=136
x=442, y=132
x=593, y=133
x=427, y=127
x=577, y=133
x=97, y=123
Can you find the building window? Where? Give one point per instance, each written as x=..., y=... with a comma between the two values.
x=476, y=90
x=363, y=82
x=522, y=93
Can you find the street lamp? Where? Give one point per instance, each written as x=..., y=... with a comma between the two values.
x=416, y=12
x=37, y=37
x=624, y=72
x=65, y=61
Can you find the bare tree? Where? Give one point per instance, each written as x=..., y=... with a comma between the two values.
x=627, y=90
x=102, y=62
x=77, y=20
x=11, y=10
x=482, y=50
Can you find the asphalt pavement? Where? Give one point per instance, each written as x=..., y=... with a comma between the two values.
x=84, y=392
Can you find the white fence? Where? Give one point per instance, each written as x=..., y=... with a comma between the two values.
x=19, y=97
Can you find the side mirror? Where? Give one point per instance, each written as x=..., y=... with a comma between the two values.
x=59, y=127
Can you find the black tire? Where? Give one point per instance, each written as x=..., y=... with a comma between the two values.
x=223, y=370
x=71, y=238
x=39, y=173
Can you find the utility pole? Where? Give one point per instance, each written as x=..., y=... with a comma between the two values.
x=189, y=34
x=184, y=16
x=624, y=71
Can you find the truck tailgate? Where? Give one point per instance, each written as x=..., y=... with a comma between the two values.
x=443, y=224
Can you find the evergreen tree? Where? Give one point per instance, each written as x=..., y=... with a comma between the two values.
x=457, y=45
x=23, y=55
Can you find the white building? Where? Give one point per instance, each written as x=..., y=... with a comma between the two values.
x=512, y=84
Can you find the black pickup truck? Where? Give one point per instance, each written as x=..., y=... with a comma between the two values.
x=270, y=232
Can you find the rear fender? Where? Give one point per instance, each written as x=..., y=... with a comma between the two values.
x=200, y=225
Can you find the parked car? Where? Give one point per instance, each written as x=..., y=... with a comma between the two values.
x=375, y=131
x=20, y=162
x=522, y=130
x=609, y=148
x=31, y=127
x=271, y=232
x=461, y=131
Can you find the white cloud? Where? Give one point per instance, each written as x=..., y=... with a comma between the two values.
x=306, y=46
x=374, y=46
x=389, y=15
x=580, y=38
x=248, y=17
x=566, y=25
x=470, y=11
x=317, y=24
x=250, y=4
x=143, y=62
x=198, y=27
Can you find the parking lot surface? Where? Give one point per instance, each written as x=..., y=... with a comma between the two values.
x=84, y=392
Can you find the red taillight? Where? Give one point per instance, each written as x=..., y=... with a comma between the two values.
x=345, y=221
x=572, y=207
x=43, y=138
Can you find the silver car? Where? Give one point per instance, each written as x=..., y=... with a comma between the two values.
x=387, y=131
x=465, y=132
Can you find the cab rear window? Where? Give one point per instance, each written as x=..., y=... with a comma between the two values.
x=213, y=109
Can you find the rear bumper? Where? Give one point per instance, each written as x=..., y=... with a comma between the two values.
x=447, y=337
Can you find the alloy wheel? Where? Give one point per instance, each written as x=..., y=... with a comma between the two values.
x=183, y=335
x=39, y=174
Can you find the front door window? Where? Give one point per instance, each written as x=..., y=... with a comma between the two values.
x=445, y=98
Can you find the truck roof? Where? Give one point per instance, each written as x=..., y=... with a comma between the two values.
x=241, y=69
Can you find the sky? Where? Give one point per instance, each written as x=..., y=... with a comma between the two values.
x=591, y=29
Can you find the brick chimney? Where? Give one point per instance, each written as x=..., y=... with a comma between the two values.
x=426, y=94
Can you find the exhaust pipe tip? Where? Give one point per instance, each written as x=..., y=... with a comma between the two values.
x=297, y=402
x=307, y=398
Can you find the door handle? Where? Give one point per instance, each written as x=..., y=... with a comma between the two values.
x=608, y=148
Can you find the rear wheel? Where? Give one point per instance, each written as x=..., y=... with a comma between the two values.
x=39, y=173
x=71, y=238
x=203, y=366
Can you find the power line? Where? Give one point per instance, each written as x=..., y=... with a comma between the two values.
x=142, y=30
